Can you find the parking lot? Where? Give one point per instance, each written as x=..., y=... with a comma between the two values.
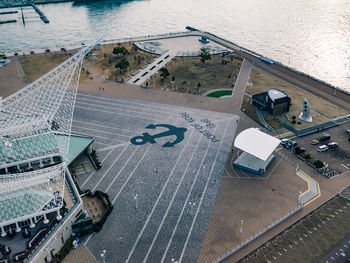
x=337, y=158
x=162, y=166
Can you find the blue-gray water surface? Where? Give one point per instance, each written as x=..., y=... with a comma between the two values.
x=312, y=36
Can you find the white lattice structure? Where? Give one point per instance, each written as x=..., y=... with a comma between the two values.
x=35, y=127
x=29, y=117
x=29, y=195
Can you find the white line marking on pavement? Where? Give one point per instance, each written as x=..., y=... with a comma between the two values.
x=135, y=102
x=121, y=169
x=158, y=198
x=95, y=170
x=115, y=110
x=95, y=136
x=203, y=194
x=109, y=168
x=127, y=180
x=344, y=166
x=104, y=126
x=186, y=202
x=113, y=146
x=88, y=239
x=115, y=113
x=118, y=106
x=171, y=202
x=112, y=133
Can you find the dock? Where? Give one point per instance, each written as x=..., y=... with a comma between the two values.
x=41, y=14
x=8, y=21
x=8, y=12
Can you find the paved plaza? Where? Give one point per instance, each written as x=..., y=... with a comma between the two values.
x=162, y=167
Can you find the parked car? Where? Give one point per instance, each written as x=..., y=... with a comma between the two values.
x=332, y=145
x=325, y=138
x=348, y=131
x=314, y=142
x=284, y=141
x=322, y=148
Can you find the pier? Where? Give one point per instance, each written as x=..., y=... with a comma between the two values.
x=8, y=21
x=8, y=12
x=41, y=14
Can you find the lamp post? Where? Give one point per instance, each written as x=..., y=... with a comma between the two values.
x=103, y=256
x=135, y=197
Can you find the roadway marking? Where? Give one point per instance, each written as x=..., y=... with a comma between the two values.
x=186, y=202
x=95, y=170
x=125, y=164
x=104, y=126
x=137, y=108
x=112, y=109
x=95, y=136
x=142, y=105
x=103, y=176
x=160, y=195
x=113, y=146
x=202, y=196
x=115, y=113
x=127, y=180
x=84, y=128
x=344, y=166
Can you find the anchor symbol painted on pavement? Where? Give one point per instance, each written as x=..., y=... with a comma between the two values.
x=172, y=130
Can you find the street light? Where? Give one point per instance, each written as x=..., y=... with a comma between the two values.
x=103, y=256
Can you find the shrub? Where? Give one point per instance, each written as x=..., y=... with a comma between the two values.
x=318, y=164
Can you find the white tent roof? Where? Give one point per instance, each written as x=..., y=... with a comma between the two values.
x=256, y=143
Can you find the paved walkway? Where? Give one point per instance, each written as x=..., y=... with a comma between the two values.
x=241, y=85
x=152, y=68
x=312, y=192
x=80, y=255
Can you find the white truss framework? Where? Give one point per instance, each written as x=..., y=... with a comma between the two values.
x=30, y=194
x=44, y=106
x=31, y=122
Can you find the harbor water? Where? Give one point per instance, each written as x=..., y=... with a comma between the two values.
x=311, y=36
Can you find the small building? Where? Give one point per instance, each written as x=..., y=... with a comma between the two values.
x=274, y=101
x=257, y=148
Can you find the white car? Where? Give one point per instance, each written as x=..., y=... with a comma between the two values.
x=322, y=148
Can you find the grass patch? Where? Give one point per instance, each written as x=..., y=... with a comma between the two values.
x=187, y=72
x=104, y=61
x=220, y=93
x=35, y=66
x=321, y=110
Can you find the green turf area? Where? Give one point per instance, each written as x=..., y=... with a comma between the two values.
x=220, y=93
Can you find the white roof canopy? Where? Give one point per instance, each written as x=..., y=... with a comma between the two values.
x=256, y=143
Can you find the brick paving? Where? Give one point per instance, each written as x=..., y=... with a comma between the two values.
x=80, y=255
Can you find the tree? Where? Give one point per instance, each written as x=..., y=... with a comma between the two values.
x=307, y=156
x=120, y=50
x=318, y=164
x=122, y=65
x=205, y=55
x=164, y=73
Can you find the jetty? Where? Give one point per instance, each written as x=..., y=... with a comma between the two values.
x=8, y=12
x=8, y=21
x=40, y=13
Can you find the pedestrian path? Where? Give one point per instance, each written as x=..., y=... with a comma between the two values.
x=261, y=118
x=81, y=254
x=152, y=68
x=241, y=85
x=312, y=192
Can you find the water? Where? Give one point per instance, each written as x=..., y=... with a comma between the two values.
x=311, y=36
